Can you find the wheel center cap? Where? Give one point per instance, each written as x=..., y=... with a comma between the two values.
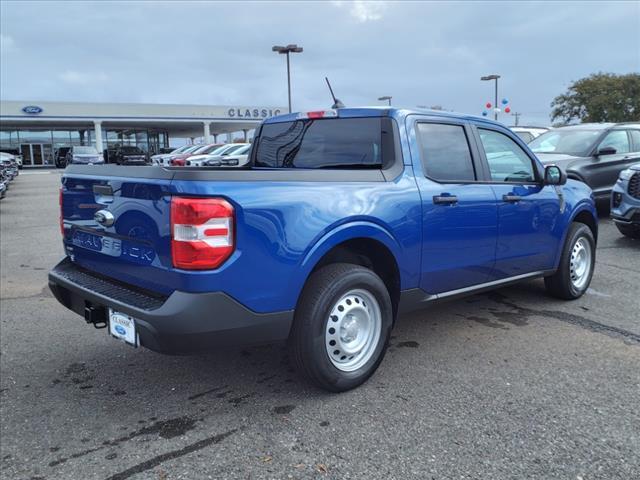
x=349, y=329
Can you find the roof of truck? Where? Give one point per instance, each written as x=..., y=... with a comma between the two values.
x=377, y=111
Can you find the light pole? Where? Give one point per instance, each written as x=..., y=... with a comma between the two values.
x=495, y=105
x=292, y=48
x=387, y=98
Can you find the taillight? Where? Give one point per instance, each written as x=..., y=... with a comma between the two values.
x=61, y=213
x=202, y=235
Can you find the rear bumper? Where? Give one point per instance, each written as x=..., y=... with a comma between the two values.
x=181, y=323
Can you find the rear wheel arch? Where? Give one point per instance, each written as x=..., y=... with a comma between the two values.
x=369, y=253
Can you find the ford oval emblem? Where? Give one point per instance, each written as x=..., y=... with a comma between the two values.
x=120, y=330
x=32, y=109
x=104, y=217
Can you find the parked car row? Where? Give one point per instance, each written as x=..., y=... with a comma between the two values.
x=16, y=155
x=529, y=133
x=8, y=171
x=202, y=155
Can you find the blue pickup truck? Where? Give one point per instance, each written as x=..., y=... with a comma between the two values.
x=342, y=220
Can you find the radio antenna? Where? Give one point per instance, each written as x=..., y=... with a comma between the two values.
x=336, y=103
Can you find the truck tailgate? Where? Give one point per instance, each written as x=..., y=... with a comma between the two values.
x=118, y=226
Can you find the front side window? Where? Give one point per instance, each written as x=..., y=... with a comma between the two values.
x=617, y=139
x=507, y=161
x=324, y=143
x=445, y=152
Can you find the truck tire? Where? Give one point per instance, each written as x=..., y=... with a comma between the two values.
x=576, y=265
x=341, y=327
x=631, y=231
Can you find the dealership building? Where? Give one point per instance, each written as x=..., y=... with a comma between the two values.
x=39, y=129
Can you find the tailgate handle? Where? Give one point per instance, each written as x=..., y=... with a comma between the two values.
x=103, y=190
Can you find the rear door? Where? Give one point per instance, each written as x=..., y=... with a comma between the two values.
x=528, y=231
x=459, y=212
x=119, y=226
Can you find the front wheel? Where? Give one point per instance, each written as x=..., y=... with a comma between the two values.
x=576, y=265
x=341, y=326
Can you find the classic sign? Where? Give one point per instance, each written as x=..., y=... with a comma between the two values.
x=252, y=112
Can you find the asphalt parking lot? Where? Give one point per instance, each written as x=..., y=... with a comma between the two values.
x=510, y=384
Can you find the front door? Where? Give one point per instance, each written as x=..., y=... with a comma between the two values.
x=459, y=214
x=529, y=234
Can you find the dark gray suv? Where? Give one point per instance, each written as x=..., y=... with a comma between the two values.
x=594, y=153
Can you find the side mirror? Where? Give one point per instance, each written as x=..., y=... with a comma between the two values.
x=606, y=151
x=553, y=175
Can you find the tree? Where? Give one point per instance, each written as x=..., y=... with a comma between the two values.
x=600, y=97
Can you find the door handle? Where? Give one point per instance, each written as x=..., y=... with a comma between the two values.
x=511, y=198
x=445, y=199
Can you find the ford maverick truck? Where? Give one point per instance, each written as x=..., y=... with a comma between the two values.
x=342, y=220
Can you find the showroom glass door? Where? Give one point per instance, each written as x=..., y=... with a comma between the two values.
x=25, y=149
x=36, y=154
x=47, y=154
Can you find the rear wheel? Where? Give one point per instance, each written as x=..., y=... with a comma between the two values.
x=576, y=265
x=341, y=327
x=631, y=231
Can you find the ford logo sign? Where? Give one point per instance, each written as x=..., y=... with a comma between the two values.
x=32, y=109
x=104, y=217
x=120, y=330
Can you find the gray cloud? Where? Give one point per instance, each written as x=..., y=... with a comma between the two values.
x=220, y=53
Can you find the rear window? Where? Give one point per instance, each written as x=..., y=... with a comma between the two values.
x=326, y=143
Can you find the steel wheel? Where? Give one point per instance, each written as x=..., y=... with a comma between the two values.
x=353, y=330
x=580, y=263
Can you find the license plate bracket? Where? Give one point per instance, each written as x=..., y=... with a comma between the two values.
x=123, y=327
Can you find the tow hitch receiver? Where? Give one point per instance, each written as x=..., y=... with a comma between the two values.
x=95, y=315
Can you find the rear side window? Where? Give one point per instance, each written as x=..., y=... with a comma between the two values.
x=445, y=152
x=326, y=143
x=526, y=136
x=635, y=140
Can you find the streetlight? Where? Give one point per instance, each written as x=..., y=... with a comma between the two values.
x=292, y=48
x=495, y=105
x=387, y=98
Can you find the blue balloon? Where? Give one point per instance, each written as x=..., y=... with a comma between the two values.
x=505, y=101
x=484, y=114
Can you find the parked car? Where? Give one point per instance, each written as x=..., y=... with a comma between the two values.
x=16, y=154
x=529, y=133
x=60, y=157
x=222, y=151
x=79, y=154
x=344, y=219
x=181, y=159
x=166, y=159
x=237, y=158
x=10, y=165
x=625, y=202
x=126, y=155
x=594, y=153
x=158, y=159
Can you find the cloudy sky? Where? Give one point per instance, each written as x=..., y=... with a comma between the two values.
x=421, y=53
